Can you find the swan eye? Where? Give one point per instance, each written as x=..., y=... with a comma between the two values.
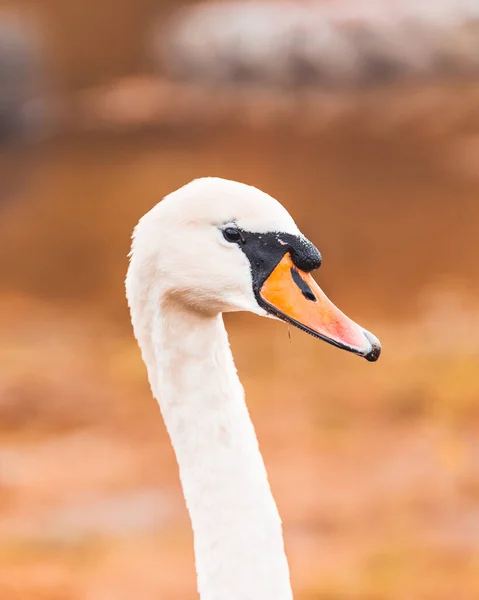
x=232, y=235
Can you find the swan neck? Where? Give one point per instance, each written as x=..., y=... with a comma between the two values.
x=238, y=540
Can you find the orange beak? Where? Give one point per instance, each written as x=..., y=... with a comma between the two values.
x=293, y=296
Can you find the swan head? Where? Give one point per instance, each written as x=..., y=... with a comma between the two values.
x=216, y=245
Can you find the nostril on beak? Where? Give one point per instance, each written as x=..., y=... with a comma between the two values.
x=375, y=351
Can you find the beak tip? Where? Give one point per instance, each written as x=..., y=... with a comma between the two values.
x=375, y=352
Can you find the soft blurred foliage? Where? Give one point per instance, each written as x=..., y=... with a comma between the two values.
x=374, y=467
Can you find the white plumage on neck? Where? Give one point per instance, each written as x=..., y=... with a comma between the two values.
x=237, y=530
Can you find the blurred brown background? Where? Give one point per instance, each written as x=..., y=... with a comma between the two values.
x=374, y=467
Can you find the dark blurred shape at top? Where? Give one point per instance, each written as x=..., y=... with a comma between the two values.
x=330, y=44
x=22, y=108
x=21, y=82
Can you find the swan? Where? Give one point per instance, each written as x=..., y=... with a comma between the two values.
x=216, y=246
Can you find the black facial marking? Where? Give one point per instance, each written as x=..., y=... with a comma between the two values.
x=303, y=286
x=265, y=250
